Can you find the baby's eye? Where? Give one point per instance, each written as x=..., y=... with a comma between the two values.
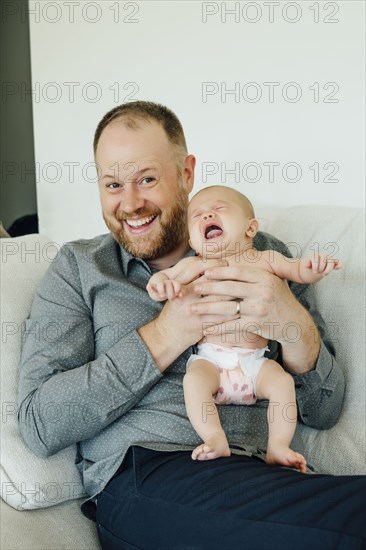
x=220, y=207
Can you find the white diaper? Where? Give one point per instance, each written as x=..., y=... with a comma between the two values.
x=238, y=367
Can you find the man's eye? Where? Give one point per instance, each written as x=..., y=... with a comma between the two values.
x=113, y=185
x=146, y=182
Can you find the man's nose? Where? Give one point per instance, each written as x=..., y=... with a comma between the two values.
x=131, y=200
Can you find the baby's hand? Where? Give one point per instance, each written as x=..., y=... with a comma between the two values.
x=322, y=265
x=165, y=290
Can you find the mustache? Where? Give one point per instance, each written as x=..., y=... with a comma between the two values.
x=141, y=212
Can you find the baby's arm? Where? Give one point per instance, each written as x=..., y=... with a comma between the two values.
x=160, y=287
x=304, y=270
x=167, y=284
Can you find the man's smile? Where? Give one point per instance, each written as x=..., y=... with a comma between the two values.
x=139, y=225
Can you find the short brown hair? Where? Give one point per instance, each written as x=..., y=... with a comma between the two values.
x=145, y=110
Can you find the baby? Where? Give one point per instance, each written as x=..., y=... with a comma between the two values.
x=222, y=224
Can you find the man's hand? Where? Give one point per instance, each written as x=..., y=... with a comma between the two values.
x=267, y=308
x=167, y=284
x=177, y=328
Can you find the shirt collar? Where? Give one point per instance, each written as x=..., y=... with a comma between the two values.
x=128, y=260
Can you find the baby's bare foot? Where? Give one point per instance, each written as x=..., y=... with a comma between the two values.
x=280, y=453
x=216, y=445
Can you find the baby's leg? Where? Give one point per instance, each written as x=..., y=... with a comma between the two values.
x=200, y=383
x=275, y=384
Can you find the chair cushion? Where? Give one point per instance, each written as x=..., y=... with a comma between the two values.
x=62, y=527
x=341, y=299
x=27, y=481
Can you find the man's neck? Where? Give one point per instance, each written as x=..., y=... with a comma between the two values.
x=172, y=258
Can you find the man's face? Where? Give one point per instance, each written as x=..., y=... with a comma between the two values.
x=144, y=201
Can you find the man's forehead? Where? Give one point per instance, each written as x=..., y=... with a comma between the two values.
x=132, y=126
x=118, y=130
x=146, y=144
x=125, y=170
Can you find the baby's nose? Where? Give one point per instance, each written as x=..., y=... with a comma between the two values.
x=206, y=216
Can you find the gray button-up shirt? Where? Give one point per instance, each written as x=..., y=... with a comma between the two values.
x=87, y=377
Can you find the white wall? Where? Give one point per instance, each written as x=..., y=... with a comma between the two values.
x=166, y=52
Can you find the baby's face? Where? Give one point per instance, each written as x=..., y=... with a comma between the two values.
x=217, y=222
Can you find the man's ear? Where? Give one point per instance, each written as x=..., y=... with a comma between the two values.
x=252, y=228
x=188, y=172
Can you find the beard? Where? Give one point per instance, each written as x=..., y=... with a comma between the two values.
x=173, y=230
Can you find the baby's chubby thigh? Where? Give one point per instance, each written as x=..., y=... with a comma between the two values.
x=202, y=375
x=273, y=381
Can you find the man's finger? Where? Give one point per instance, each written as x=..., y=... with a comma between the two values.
x=228, y=308
x=224, y=288
x=198, y=268
x=216, y=298
x=249, y=325
x=236, y=273
x=253, y=308
x=210, y=320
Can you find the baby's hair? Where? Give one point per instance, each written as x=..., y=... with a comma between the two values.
x=246, y=204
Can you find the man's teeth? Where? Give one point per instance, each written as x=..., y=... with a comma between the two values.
x=141, y=221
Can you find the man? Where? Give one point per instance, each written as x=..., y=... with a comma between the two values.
x=116, y=364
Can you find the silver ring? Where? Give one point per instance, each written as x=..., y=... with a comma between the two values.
x=238, y=309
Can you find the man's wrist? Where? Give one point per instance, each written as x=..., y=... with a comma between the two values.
x=162, y=347
x=301, y=347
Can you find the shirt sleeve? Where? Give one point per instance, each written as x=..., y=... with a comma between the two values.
x=67, y=395
x=319, y=392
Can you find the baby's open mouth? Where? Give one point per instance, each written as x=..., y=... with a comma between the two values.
x=212, y=231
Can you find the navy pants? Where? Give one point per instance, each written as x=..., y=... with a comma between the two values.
x=165, y=500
